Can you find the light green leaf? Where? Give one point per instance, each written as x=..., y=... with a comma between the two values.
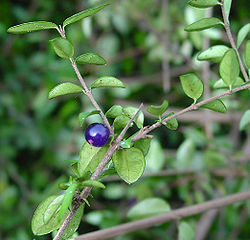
x=186, y=232
x=213, y=54
x=204, y=23
x=242, y=34
x=37, y=224
x=107, y=82
x=74, y=169
x=32, y=27
x=203, y=3
x=90, y=157
x=91, y=58
x=64, y=89
x=229, y=68
x=92, y=183
x=192, y=86
x=143, y=144
x=245, y=121
x=130, y=111
x=62, y=47
x=82, y=116
x=227, y=6
x=86, y=13
x=74, y=223
x=121, y=121
x=129, y=164
x=158, y=110
x=221, y=84
x=148, y=208
x=114, y=111
x=172, y=124
x=247, y=54
x=215, y=105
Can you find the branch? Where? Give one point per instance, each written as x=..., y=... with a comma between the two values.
x=231, y=40
x=173, y=215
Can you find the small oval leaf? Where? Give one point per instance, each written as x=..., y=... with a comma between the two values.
x=158, y=110
x=93, y=183
x=130, y=111
x=86, y=13
x=243, y=32
x=215, y=105
x=121, y=121
x=143, y=144
x=82, y=116
x=204, y=23
x=171, y=124
x=31, y=27
x=221, y=84
x=192, y=85
x=245, y=121
x=203, y=3
x=186, y=232
x=227, y=6
x=91, y=58
x=62, y=47
x=114, y=111
x=64, y=89
x=214, y=53
x=107, y=82
x=247, y=54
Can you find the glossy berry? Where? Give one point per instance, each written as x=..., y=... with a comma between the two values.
x=97, y=134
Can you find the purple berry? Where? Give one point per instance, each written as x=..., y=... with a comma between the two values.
x=97, y=134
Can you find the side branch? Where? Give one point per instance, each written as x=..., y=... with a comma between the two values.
x=173, y=215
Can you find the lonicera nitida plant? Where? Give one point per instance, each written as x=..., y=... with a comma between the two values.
x=106, y=141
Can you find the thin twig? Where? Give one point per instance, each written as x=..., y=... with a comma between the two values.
x=231, y=40
x=173, y=215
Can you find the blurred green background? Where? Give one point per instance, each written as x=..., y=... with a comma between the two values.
x=146, y=47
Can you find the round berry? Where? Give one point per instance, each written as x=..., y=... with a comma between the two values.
x=97, y=134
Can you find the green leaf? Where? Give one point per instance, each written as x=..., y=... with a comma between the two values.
x=114, y=111
x=227, y=6
x=243, y=32
x=121, y=122
x=245, y=121
x=172, y=124
x=62, y=47
x=203, y=3
x=129, y=164
x=74, y=223
x=221, y=84
x=82, y=116
x=143, y=144
x=204, y=23
x=247, y=54
x=229, y=68
x=86, y=13
x=68, y=196
x=216, y=105
x=64, y=89
x=107, y=82
x=52, y=208
x=32, y=27
x=158, y=110
x=74, y=169
x=186, y=232
x=130, y=111
x=213, y=54
x=148, y=208
x=37, y=224
x=192, y=86
x=90, y=157
x=91, y=58
x=92, y=183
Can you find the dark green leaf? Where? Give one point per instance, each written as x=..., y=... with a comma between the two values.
x=216, y=105
x=204, y=23
x=203, y=3
x=92, y=183
x=227, y=6
x=90, y=157
x=62, y=47
x=247, y=54
x=31, y=27
x=86, y=13
x=243, y=32
x=148, y=208
x=129, y=164
x=221, y=84
x=158, y=110
x=64, y=89
x=186, y=232
x=82, y=116
x=245, y=121
x=91, y=58
x=143, y=144
x=172, y=124
x=114, y=111
x=229, y=68
x=192, y=85
x=121, y=122
x=107, y=82
x=214, y=53
x=130, y=111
